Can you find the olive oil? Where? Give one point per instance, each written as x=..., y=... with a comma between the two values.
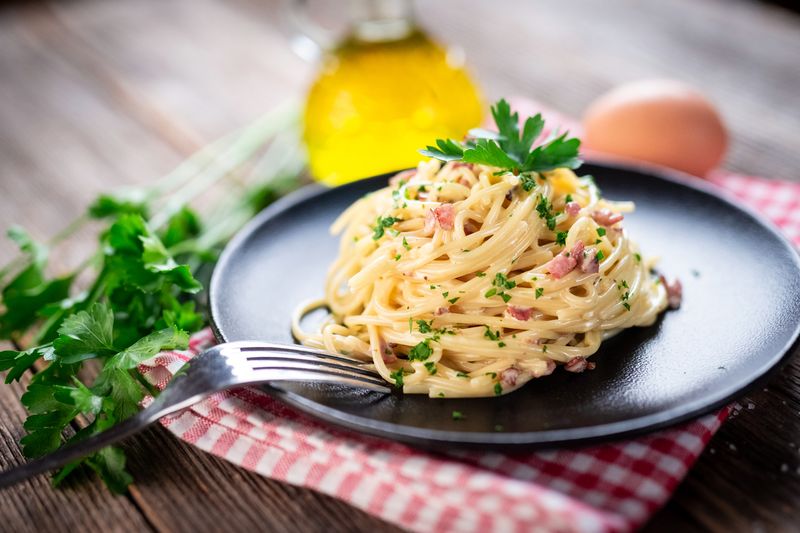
x=376, y=103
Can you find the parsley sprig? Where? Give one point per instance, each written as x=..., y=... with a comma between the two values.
x=509, y=148
x=84, y=333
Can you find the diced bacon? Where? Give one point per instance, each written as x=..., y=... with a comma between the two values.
x=563, y=264
x=606, y=217
x=442, y=311
x=509, y=376
x=551, y=366
x=406, y=175
x=588, y=262
x=572, y=208
x=445, y=215
x=577, y=250
x=674, y=292
x=576, y=364
x=520, y=313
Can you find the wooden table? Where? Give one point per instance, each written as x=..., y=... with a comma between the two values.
x=97, y=94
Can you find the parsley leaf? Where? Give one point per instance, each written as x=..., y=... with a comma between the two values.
x=509, y=148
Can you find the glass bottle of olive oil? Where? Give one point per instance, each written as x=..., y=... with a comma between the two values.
x=383, y=93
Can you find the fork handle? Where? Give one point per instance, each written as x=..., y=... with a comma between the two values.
x=79, y=449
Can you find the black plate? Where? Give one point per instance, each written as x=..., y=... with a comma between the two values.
x=738, y=321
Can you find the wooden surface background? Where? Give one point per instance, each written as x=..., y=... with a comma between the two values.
x=97, y=94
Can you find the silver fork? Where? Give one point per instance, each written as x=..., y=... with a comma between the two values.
x=224, y=366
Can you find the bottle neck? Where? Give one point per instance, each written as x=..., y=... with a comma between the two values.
x=381, y=20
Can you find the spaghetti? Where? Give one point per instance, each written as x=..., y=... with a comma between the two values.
x=462, y=280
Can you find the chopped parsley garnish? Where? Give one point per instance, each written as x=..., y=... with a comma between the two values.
x=381, y=224
x=462, y=375
x=445, y=294
x=480, y=274
x=405, y=244
x=561, y=238
x=458, y=415
x=626, y=305
x=425, y=327
x=498, y=389
x=500, y=284
x=430, y=366
x=509, y=148
x=397, y=257
x=453, y=300
x=528, y=182
x=491, y=335
x=492, y=375
x=568, y=199
x=638, y=258
x=420, y=352
x=601, y=231
x=545, y=210
x=599, y=255
x=544, y=348
x=501, y=344
x=539, y=292
x=397, y=376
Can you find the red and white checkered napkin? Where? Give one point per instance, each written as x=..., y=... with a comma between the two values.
x=612, y=487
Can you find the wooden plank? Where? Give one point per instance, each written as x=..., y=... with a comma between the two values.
x=84, y=504
x=180, y=488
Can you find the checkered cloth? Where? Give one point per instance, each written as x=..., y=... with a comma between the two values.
x=611, y=487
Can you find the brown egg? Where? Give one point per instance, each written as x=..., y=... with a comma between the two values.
x=660, y=121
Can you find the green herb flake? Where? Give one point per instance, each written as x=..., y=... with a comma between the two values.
x=638, y=258
x=561, y=238
x=601, y=231
x=462, y=375
x=420, y=352
x=405, y=244
x=498, y=389
x=430, y=366
x=539, y=292
x=480, y=274
x=381, y=224
x=425, y=327
x=453, y=300
x=398, y=376
x=458, y=415
x=599, y=255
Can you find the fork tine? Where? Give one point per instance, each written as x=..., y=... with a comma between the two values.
x=312, y=359
x=302, y=351
x=316, y=373
x=277, y=364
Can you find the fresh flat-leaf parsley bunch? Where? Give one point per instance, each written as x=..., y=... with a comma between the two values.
x=144, y=293
x=509, y=148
